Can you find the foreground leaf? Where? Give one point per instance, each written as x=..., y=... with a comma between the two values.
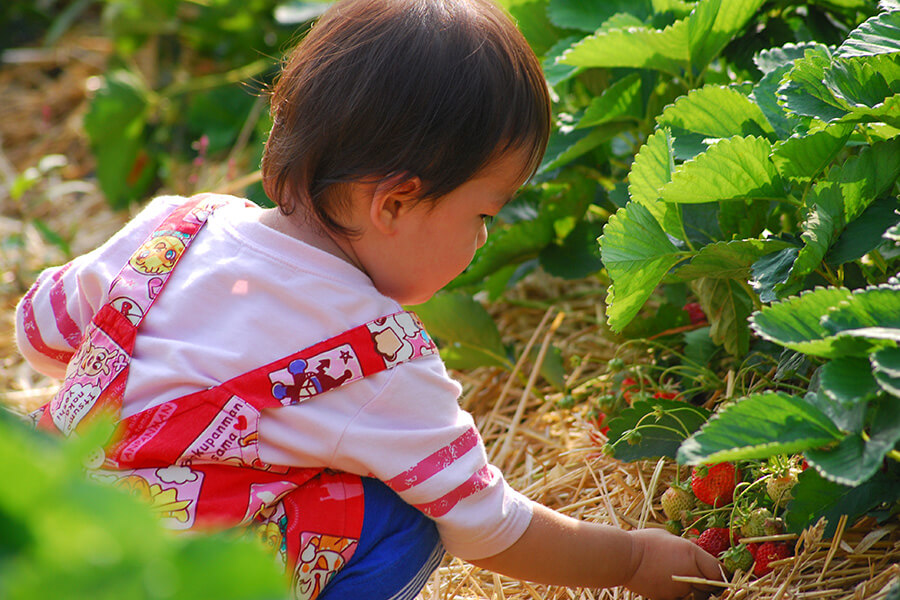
x=759, y=426
x=637, y=254
x=857, y=458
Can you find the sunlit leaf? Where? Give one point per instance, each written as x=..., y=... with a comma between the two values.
x=652, y=169
x=802, y=157
x=637, y=254
x=716, y=112
x=736, y=168
x=878, y=35
x=621, y=100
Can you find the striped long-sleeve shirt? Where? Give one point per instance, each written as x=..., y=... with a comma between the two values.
x=244, y=295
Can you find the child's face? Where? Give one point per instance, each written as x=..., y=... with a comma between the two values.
x=431, y=243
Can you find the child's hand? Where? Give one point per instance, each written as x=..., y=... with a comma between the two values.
x=658, y=555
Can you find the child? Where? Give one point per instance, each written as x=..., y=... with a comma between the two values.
x=212, y=327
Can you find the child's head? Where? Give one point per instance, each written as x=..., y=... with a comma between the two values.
x=433, y=89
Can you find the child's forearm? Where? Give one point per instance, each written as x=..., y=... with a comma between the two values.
x=556, y=549
x=559, y=550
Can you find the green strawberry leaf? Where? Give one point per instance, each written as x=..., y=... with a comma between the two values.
x=567, y=144
x=728, y=260
x=759, y=426
x=773, y=59
x=578, y=255
x=590, y=15
x=466, y=334
x=820, y=230
x=878, y=35
x=866, y=233
x=886, y=367
x=716, y=112
x=620, y=101
x=796, y=323
x=652, y=169
x=848, y=380
x=115, y=125
x=769, y=274
x=865, y=177
x=736, y=168
x=804, y=92
x=727, y=306
x=872, y=313
x=639, y=47
x=662, y=426
x=816, y=497
x=637, y=254
x=802, y=157
x=715, y=23
x=856, y=459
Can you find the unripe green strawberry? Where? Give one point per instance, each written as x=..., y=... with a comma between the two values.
x=738, y=558
x=779, y=488
x=715, y=484
x=675, y=501
x=754, y=524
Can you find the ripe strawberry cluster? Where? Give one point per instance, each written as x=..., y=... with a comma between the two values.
x=706, y=511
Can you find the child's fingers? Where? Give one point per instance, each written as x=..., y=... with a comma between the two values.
x=709, y=567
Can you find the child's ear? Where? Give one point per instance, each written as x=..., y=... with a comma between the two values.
x=391, y=199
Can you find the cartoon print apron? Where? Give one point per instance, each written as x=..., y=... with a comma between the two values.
x=195, y=458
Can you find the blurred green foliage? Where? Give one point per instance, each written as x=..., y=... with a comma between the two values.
x=65, y=537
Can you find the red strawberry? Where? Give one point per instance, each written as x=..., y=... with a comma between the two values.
x=769, y=552
x=714, y=485
x=629, y=387
x=714, y=540
x=675, y=501
x=695, y=312
x=598, y=423
x=665, y=395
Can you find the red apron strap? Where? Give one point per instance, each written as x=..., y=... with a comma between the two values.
x=96, y=375
x=220, y=424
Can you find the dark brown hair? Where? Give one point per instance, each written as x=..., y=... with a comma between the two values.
x=381, y=88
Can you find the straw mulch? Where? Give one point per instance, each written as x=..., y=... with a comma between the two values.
x=553, y=456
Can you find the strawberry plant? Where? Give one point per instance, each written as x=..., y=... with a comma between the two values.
x=182, y=72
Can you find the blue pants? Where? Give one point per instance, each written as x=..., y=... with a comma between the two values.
x=398, y=550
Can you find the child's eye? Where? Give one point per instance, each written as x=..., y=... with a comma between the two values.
x=488, y=219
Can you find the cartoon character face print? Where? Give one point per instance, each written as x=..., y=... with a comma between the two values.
x=321, y=557
x=157, y=255
x=164, y=502
x=95, y=361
